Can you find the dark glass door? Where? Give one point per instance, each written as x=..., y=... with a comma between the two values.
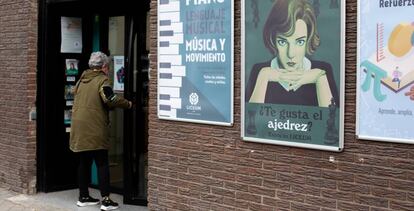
x=57, y=165
x=136, y=120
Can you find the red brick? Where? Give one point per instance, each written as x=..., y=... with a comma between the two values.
x=248, y=197
x=388, y=193
x=217, y=163
x=306, y=171
x=402, y=205
x=352, y=207
x=337, y=175
x=354, y=188
x=211, y=198
x=371, y=180
x=280, y=185
x=279, y=167
x=236, y=203
x=217, y=207
x=402, y=185
x=371, y=201
x=236, y=186
x=290, y=196
x=389, y=172
x=320, y=182
x=355, y=168
x=262, y=191
x=338, y=195
x=295, y=206
x=291, y=178
x=320, y=202
x=304, y=189
x=401, y=164
x=249, y=180
x=223, y=192
x=259, y=207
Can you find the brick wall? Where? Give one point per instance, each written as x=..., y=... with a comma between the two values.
x=18, y=55
x=204, y=167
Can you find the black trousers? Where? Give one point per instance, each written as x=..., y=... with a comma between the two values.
x=84, y=171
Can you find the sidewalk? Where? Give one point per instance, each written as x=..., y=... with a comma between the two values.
x=56, y=201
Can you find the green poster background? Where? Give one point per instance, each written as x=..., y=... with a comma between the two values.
x=259, y=124
x=329, y=29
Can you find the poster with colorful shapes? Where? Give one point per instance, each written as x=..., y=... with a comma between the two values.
x=385, y=70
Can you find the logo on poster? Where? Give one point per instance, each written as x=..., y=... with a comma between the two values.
x=193, y=98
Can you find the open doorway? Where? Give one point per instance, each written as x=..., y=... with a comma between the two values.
x=120, y=31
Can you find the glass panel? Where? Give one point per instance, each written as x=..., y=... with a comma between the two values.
x=141, y=135
x=116, y=73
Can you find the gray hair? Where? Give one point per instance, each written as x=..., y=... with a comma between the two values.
x=98, y=60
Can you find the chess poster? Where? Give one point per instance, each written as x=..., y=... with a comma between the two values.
x=385, y=73
x=195, y=61
x=293, y=73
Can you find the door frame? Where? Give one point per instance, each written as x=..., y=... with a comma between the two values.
x=44, y=104
x=134, y=120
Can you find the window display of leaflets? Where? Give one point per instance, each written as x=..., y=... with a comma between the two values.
x=68, y=116
x=69, y=103
x=71, y=67
x=70, y=78
x=69, y=91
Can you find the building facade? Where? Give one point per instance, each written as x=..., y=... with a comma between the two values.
x=202, y=167
x=18, y=41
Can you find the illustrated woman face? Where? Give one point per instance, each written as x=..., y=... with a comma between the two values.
x=292, y=49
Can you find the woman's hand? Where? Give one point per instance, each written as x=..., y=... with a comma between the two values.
x=269, y=74
x=314, y=76
x=266, y=74
x=298, y=78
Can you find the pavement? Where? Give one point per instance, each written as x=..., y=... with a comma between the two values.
x=56, y=201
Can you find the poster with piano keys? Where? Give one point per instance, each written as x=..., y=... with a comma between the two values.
x=195, y=61
x=385, y=71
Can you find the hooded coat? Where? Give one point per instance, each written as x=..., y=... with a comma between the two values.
x=90, y=112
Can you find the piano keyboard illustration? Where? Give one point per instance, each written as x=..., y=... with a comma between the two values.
x=170, y=68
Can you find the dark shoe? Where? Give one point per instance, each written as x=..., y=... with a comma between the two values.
x=108, y=204
x=87, y=201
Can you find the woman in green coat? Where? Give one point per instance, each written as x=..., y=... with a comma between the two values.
x=90, y=127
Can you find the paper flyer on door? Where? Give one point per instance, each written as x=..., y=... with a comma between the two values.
x=71, y=35
x=119, y=73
